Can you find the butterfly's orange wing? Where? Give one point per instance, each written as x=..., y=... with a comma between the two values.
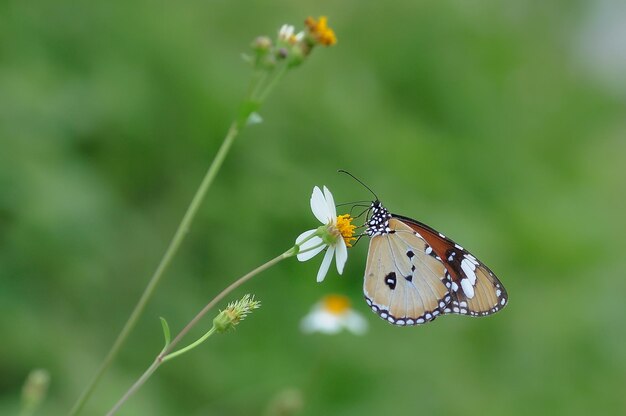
x=474, y=288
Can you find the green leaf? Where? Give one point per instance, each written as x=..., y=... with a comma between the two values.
x=166, y=331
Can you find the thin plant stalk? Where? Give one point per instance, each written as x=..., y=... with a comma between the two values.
x=166, y=353
x=259, y=89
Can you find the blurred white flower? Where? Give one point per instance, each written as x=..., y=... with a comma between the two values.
x=601, y=47
x=333, y=314
x=287, y=34
x=335, y=235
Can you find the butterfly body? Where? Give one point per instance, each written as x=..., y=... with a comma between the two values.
x=414, y=273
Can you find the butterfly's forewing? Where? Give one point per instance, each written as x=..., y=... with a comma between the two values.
x=475, y=290
x=404, y=282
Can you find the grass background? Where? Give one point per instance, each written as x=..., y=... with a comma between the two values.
x=502, y=125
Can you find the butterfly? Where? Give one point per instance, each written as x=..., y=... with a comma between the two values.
x=414, y=273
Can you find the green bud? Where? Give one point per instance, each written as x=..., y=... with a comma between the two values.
x=234, y=313
x=262, y=44
x=289, y=402
x=34, y=390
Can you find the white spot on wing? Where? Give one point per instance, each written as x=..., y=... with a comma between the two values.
x=469, y=267
x=468, y=289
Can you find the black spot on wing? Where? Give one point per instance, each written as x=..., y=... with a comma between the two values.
x=390, y=280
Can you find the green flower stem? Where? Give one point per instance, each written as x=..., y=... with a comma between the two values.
x=257, y=84
x=289, y=253
x=280, y=71
x=257, y=93
x=166, y=353
x=140, y=382
x=171, y=251
x=259, y=89
x=190, y=346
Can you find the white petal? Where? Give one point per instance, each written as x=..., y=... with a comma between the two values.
x=328, y=257
x=307, y=325
x=285, y=31
x=318, y=206
x=321, y=321
x=307, y=255
x=309, y=244
x=355, y=323
x=313, y=242
x=330, y=201
x=342, y=254
x=303, y=236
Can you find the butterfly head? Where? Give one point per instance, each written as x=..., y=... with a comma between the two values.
x=378, y=222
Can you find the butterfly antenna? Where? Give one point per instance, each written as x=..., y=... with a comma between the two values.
x=358, y=239
x=367, y=208
x=357, y=203
x=359, y=181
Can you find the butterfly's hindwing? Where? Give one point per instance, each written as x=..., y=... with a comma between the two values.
x=405, y=282
x=475, y=290
x=478, y=291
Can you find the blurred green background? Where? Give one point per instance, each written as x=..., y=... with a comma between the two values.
x=500, y=124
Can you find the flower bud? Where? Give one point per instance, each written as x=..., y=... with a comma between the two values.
x=34, y=390
x=262, y=44
x=282, y=53
x=234, y=313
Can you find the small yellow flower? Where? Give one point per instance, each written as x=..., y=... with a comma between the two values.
x=320, y=31
x=336, y=304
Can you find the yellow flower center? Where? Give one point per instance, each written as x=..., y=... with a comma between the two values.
x=320, y=31
x=336, y=304
x=346, y=229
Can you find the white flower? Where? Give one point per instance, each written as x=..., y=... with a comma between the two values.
x=335, y=234
x=333, y=314
x=286, y=34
